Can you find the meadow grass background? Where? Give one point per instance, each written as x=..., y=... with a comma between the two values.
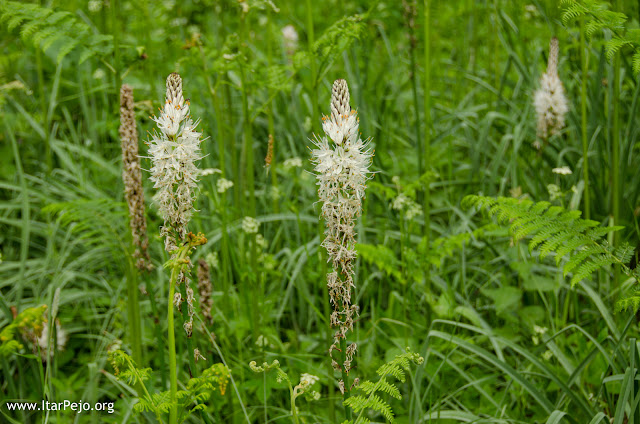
x=504, y=336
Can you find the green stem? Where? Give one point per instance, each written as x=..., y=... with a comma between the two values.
x=583, y=110
x=426, y=201
x=25, y=234
x=271, y=125
x=249, y=185
x=193, y=370
x=414, y=91
x=220, y=127
x=294, y=413
x=133, y=312
x=615, y=163
x=314, y=67
x=132, y=367
x=247, y=130
x=158, y=333
x=345, y=378
x=173, y=377
x=426, y=204
x=116, y=42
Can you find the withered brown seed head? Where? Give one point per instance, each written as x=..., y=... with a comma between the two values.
x=132, y=177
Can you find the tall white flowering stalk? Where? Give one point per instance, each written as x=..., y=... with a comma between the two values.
x=342, y=161
x=174, y=151
x=549, y=100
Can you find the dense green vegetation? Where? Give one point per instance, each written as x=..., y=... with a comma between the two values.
x=495, y=276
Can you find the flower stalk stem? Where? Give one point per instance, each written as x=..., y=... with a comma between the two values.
x=345, y=378
x=583, y=114
x=173, y=377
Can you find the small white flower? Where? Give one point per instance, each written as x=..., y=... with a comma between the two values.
x=275, y=192
x=531, y=11
x=554, y=192
x=212, y=260
x=413, y=210
x=343, y=130
x=94, y=6
x=547, y=355
x=295, y=162
x=116, y=345
x=261, y=242
x=564, y=170
x=400, y=202
x=307, y=380
x=540, y=330
x=250, y=225
x=290, y=36
x=223, y=185
x=99, y=74
x=178, y=22
x=209, y=171
x=197, y=355
x=395, y=180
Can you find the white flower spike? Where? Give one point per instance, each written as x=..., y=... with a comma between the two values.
x=549, y=100
x=174, y=152
x=342, y=161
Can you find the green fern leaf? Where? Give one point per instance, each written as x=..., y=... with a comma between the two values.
x=614, y=45
x=45, y=28
x=555, y=230
x=636, y=62
x=589, y=267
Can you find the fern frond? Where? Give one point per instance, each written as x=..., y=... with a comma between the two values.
x=590, y=266
x=333, y=42
x=45, y=28
x=636, y=62
x=98, y=222
x=370, y=400
x=9, y=348
x=577, y=259
x=555, y=230
x=614, y=45
x=630, y=302
x=573, y=11
x=373, y=401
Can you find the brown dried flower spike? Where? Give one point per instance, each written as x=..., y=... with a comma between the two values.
x=132, y=177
